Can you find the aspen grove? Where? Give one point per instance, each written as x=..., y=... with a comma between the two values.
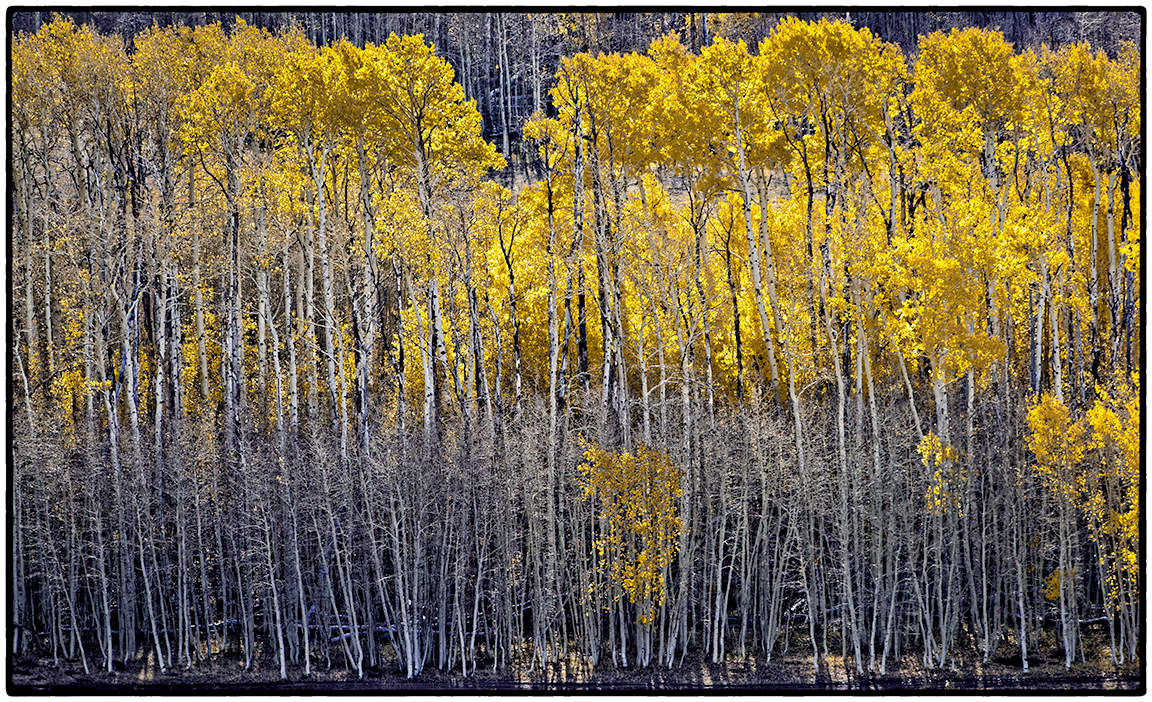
x=804, y=346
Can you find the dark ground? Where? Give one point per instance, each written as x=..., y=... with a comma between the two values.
x=37, y=676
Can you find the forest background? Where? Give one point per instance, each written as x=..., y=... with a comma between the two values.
x=459, y=340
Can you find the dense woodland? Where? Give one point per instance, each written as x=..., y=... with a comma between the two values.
x=801, y=343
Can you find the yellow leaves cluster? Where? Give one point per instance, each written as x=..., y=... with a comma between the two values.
x=942, y=303
x=933, y=451
x=1052, y=584
x=550, y=139
x=1112, y=475
x=829, y=59
x=416, y=109
x=310, y=86
x=228, y=85
x=1101, y=95
x=67, y=73
x=1094, y=463
x=947, y=478
x=1057, y=442
x=637, y=493
x=611, y=97
x=965, y=70
x=402, y=226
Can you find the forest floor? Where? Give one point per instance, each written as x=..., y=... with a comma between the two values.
x=38, y=676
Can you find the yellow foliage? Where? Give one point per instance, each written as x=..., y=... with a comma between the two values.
x=944, y=488
x=1058, y=445
x=932, y=451
x=1112, y=478
x=1052, y=584
x=1094, y=464
x=637, y=493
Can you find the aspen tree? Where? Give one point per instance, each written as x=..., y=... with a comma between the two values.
x=431, y=129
